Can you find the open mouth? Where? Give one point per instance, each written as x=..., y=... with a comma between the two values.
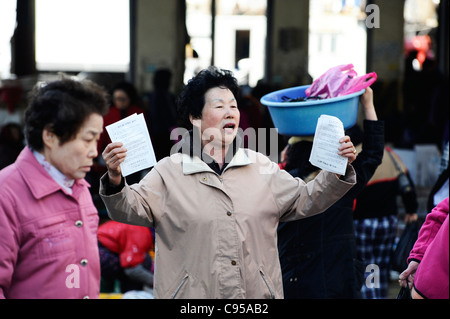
x=229, y=128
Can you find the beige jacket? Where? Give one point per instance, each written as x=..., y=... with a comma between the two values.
x=216, y=236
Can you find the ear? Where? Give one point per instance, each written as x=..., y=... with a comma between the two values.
x=195, y=121
x=49, y=138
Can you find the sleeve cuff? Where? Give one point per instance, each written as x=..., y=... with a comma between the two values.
x=109, y=188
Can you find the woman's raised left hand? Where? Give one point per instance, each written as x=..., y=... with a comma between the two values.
x=347, y=149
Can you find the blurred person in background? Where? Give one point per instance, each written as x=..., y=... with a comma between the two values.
x=161, y=115
x=125, y=102
x=11, y=143
x=318, y=254
x=376, y=219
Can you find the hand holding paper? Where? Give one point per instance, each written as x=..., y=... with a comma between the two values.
x=325, y=145
x=132, y=132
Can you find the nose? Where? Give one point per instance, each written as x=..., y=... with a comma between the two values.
x=230, y=112
x=92, y=153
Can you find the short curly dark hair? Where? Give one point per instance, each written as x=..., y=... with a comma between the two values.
x=192, y=99
x=62, y=106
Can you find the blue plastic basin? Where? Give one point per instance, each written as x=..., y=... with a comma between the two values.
x=300, y=118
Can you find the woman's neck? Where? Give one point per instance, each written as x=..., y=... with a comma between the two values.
x=217, y=153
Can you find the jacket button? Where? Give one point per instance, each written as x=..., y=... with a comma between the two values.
x=79, y=223
x=229, y=213
x=83, y=262
x=233, y=262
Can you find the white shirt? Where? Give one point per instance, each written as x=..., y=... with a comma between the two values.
x=59, y=177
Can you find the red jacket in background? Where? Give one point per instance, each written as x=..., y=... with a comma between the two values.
x=130, y=242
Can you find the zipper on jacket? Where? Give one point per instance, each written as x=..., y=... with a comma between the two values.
x=179, y=286
x=272, y=295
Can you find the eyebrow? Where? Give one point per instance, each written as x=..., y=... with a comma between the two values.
x=221, y=100
x=93, y=132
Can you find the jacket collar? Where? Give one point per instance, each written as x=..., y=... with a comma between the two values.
x=59, y=177
x=190, y=147
x=39, y=182
x=192, y=165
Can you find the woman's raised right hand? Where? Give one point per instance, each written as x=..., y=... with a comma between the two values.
x=113, y=155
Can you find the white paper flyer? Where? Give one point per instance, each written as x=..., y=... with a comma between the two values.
x=324, y=153
x=132, y=132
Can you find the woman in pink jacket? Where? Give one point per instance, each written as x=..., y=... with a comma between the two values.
x=48, y=222
x=428, y=270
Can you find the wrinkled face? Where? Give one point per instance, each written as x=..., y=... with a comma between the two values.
x=75, y=157
x=220, y=117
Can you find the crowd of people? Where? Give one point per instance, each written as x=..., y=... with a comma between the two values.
x=212, y=219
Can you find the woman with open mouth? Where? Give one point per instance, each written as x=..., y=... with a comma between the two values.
x=215, y=206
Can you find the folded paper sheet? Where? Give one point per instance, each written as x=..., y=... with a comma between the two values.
x=324, y=153
x=132, y=132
